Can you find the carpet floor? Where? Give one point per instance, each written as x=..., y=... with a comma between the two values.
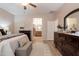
x=40, y=49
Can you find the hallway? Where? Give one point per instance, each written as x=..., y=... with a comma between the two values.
x=43, y=48
x=40, y=49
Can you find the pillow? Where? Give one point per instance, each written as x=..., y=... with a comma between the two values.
x=27, y=39
x=3, y=32
x=22, y=41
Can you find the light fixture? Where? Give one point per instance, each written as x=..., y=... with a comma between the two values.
x=24, y=5
x=31, y=4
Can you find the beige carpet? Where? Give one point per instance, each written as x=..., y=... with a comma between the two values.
x=54, y=50
x=43, y=47
x=40, y=49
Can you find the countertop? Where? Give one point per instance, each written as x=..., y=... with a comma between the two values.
x=74, y=34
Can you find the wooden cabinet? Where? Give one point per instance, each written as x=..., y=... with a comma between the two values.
x=68, y=45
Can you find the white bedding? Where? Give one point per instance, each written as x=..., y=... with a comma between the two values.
x=7, y=47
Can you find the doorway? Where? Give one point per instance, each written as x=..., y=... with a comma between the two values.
x=37, y=28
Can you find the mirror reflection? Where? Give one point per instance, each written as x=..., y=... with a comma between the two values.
x=72, y=22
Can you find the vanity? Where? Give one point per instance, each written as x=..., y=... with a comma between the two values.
x=67, y=43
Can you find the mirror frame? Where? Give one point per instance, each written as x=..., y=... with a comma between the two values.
x=76, y=10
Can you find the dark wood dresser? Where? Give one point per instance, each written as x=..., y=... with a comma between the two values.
x=27, y=32
x=67, y=44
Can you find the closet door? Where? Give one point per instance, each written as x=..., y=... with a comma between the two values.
x=50, y=30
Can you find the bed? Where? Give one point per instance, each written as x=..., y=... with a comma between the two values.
x=9, y=44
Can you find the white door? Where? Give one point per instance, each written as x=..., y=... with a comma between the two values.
x=51, y=28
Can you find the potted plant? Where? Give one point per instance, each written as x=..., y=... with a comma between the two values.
x=60, y=28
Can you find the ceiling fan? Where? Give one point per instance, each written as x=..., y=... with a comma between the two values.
x=31, y=4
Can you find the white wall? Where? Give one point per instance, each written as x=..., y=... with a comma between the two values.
x=23, y=21
x=64, y=10
x=6, y=19
x=27, y=20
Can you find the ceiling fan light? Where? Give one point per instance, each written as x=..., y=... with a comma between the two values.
x=25, y=7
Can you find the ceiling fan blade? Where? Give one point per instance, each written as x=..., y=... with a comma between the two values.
x=32, y=5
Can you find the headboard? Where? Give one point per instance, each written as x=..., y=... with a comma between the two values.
x=3, y=32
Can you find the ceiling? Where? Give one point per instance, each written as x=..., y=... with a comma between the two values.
x=42, y=8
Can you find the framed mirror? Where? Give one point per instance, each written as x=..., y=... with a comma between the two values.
x=71, y=21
